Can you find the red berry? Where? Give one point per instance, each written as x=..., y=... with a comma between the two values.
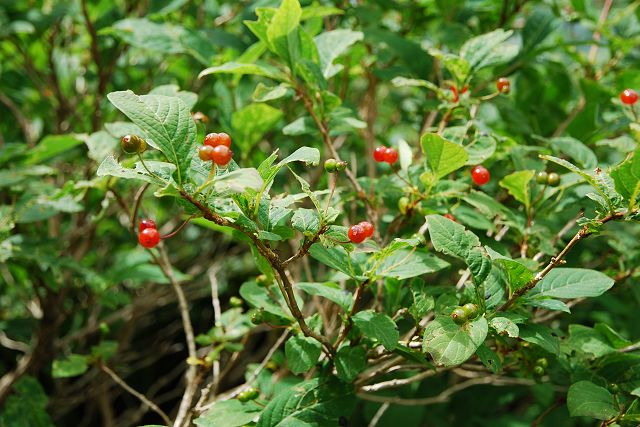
x=629, y=96
x=215, y=139
x=390, y=155
x=378, y=154
x=480, y=175
x=357, y=234
x=367, y=227
x=221, y=155
x=147, y=223
x=503, y=85
x=149, y=237
x=205, y=152
x=451, y=217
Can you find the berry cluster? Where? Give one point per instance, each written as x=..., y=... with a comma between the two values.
x=463, y=314
x=332, y=165
x=551, y=179
x=540, y=367
x=360, y=232
x=629, y=96
x=248, y=395
x=149, y=236
x=216, y=148
x=480, y=175
x=385, y=154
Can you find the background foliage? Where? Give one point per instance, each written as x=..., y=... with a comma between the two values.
x=96, y=330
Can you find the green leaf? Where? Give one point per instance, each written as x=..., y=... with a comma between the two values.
x=488, y=49
x=149, y=36
x=26, y=406
x=302, y=353
x=626, y=177
x=229, y=413
x=405, y=154
x=517, y=184
x=377, y=326
x=283, y=31
x=406, y=263
x=50, y=146
x=350, y=361
x=308, y=404
x=332, y=44
x=162, y=170
x=451, y=344
x=540, y=335
x=165, y=120
x=519, y=275
x=328, y=290
x=259, y=298
x=189, y=98
x=505, y=326
x=264, y=93
x=251, y=123
x=588, y=340
x=586, y=399
x=306, y=221
x=257, y=69
x=576, y=150
x=335, y=257
x=443, y=157
x=239, y=180
x=453, y=239
x=310, y=156
x=480, y=149
x=71, y=366
x=422, y=302
x=573, y=283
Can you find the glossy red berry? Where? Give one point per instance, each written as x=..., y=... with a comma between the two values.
x=390, y=155
x=147, y=223
x=503, y=85
x=357, y=234
x=480, y=175
x=367, y=227
x=215, y=139
x=629, y=96
x=378, y=154
x=205, y=152
x=221, y=155
x=149, y=237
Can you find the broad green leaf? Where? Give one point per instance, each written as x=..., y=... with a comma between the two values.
x=350, y=361
x=161, y=170
x=70, y=366
x=257, y=69
x=573, y=283
x=264, y=93
x=404, y=81
x=377, y=326
x=576, y=150
x=586, y=399
x=405, y=154
x=100, y=145
x=540, y=335
x=335, y=257
x=406, y=263
x=229, y=413
x=308, y=155
x=443, y=157
x=489, y=49
x=451, y=238
x=332, y=44
x=251, y=123
x=26, y=406
x=519, y=275
x=422, y=302
x=306, y=221
x=505, y=326
x=517, y=184
x=50, y=146
x=588, y=340
x=149, y=36
x=480, y=149
x=546, y=303
x=459, y=67
x=165, y=120
x=189, y=98
x=259, y=298
x=489, y=358
x=315, y=11
x=283, y=31
x=627, y=177
x=451, y=344
x=302, y=353
x=328, y=290
x=311, y=403
x=239, y=180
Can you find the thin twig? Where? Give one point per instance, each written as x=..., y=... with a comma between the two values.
x=379, y=413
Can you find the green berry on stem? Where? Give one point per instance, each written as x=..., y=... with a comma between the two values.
x=541, y=177
x=542, y=362
x=132, y=144
x=216, y=139
x=149, y=237
x=248, y=395
x=221, y=155
x=146, y=223
x=330, y=165
x=614, y=388
x=257, y=318
x=538, y=371
x=503, y=85
x=263, y=281
x=235, y=301
x=458, y=315
x=403, y=205
x=629, y=96
x=553, y=180
x=470, y=310
x=340, y=166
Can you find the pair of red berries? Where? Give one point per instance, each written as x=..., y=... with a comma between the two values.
x=216, y=148
x=149, y=235
x=629, y=96
x=360, y=232
x=480, y=175
x=385, y=154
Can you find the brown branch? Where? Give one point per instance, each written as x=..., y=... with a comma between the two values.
x=24, y=124
x=354, y=308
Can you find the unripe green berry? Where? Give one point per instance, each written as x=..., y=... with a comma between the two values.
x=613, y=388
x=470, y=310
x=248, y=395
x=458, y=315
x=542, y=362
x=541, y=178
x=553, y=179
x=235, y=301
x=538, y=371
x=132, y=144
x=257, y=318
x=330, y=165
x=263, y=281
x=403, y=205
x=340, y=166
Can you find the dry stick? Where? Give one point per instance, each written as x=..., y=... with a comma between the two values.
x=155, y=408
x=376, y=418
x=217, y=313
x=354, y=308
x=399, y=382
x=190, y=389
x=136, y=206
x=557, y=260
